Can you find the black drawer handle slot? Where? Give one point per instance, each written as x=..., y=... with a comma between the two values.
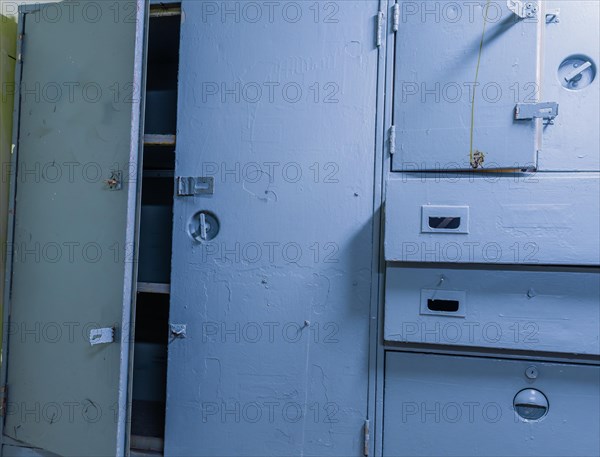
x=450, y=223
x=445, y=306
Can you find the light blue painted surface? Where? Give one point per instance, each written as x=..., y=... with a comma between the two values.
x=541, y=218
x=277, y=307
x=573, y=142
x=529, y=310
x=461, y=406
x=450, y=90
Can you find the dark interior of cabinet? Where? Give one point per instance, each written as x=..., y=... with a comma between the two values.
x=154, y=266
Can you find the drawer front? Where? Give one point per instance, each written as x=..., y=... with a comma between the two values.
x=518, y=219
x=551, y=311
x=462, y=406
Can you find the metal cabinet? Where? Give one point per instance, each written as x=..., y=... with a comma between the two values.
x=520, y=309
x=502, y=85
x=469, y=406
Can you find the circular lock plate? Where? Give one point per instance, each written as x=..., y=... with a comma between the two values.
x=204, y=226
x=576, y=72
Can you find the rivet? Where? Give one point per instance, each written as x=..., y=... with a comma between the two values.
x=531, y=372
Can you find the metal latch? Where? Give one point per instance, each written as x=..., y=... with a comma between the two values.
x=190, y=186
x=115, y=182
x=102, y=336
x=529, y=111
x=178, y=330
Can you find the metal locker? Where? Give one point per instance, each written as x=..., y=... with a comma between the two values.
x=466, y=85
x=468, y=406
x=272, y=266
x=541, y=218
x=74, y=191
x=520, y=309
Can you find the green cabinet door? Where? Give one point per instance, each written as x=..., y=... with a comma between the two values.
x=72, y=237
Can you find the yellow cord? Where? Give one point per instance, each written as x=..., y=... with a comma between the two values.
x=471, y=155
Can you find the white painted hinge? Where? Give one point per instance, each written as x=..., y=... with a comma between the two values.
x=367, y=435
x=396, y=17
x=392, y=140
x=380, y=24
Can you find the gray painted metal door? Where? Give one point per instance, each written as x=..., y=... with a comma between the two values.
x=468, y=406
x=461, y=69
x=74, y=228
x=277, y=104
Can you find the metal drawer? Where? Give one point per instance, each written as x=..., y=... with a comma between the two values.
x=464, y=406
x=534, y=310
x=518, y=219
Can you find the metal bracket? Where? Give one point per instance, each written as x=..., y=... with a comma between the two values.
x=189, y=186
x=530, y=111
x=102, y=336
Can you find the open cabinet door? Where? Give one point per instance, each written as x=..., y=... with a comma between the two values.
x=74, y=192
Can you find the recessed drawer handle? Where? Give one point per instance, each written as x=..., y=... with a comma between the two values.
x=446, y=223
x=445, y=306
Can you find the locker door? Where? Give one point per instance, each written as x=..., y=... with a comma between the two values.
x=75, y=191
x=461, y=68
x=270, y=298
x=466, y=406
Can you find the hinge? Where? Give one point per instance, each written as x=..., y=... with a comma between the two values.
x=396, y=17
x=380, y=24
x=3, y=400
x=523, y=9
x=20, y=47
x=190, y=186
x=392, y=140
x=367, y=435
x=530, y=111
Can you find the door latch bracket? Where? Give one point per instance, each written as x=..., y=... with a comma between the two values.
x=530, y=111
x=190, y=186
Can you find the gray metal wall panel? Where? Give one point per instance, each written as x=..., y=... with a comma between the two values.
x=461, y=406
x=277, y=306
